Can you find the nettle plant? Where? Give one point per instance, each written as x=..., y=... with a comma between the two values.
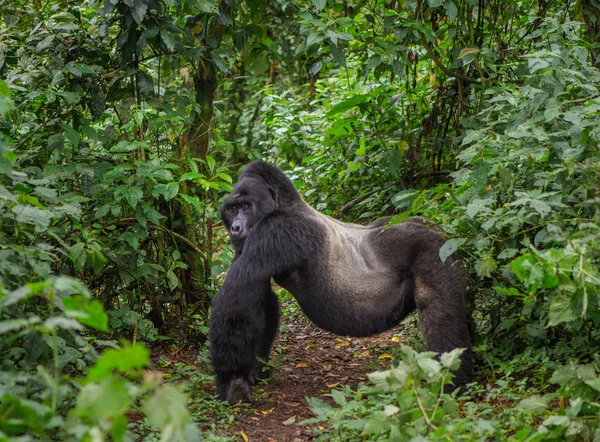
x=524, y=207
x=54, y=383
x=408, y=402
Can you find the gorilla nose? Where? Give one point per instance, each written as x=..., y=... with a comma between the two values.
x=236, y=228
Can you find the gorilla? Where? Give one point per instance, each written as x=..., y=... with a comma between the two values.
x=349, y=279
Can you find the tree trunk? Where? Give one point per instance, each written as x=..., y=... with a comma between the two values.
x=194, y=144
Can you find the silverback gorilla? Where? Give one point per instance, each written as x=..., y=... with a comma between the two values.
x=349, y=279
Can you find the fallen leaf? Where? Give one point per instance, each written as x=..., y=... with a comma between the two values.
x=395, y=339
x=289, y=421
x=386, y=356
x=320, y=427
x=265, y=412
x=333, y=385
x=301, y=365
x=243, y=435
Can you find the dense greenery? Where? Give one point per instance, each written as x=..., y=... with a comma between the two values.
x=122, y=124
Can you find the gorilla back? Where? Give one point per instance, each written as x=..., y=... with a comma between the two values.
x=349, y=279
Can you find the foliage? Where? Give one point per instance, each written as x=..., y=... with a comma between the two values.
x=122, y=124
x=417, y=408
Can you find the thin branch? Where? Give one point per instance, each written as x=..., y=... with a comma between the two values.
x=349, y=205
x=154, y=226
x=440, y=65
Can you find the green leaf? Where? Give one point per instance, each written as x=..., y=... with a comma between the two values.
x=260, y=64
x=319, y=4
x=345, y=105
x=452, y=359
x=449, y=247
x=338, y=397
x=167, y=408
x=192, y=201
x=133, y=195
x=535, y=404
x=130, y=357
x=153, y=215
x=560, y=311
x=140, y=7
x=338, y=54
x=190, y=176
x=167, y=39
x=89, y=312
x=103, y=400
x=451, y=10
x=70, y=97
x=118, y=429
x=218, y=62
x=314, y=38
x=16, y=324
x=171, y=191
x=434, y=3
x=78, y=255
x=34, y=216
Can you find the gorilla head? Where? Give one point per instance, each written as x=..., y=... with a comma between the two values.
x=349, y=279
x=250, y=201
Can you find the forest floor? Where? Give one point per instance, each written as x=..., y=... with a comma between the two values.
x=314, y=362
x=307, y=362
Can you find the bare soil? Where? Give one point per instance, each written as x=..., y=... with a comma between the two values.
x=315, y=363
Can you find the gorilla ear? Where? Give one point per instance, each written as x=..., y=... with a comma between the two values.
x=273, y=193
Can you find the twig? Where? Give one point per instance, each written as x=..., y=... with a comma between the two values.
x=181, y=238
x=349, y=205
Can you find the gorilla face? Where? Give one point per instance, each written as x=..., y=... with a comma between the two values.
x=249, y=202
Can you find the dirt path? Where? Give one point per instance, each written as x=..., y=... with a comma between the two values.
x=315, y=362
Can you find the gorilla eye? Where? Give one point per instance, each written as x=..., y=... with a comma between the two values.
x=245, y=206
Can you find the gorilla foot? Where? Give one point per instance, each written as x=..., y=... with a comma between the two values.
x=237, y=390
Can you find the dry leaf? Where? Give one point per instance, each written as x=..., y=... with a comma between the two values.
x=265, y=412
x=386, y=356
x=243, y=435
x=289, y=421
x=301, y=365
x=333, y=385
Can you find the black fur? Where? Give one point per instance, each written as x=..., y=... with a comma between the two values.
x=349, y=279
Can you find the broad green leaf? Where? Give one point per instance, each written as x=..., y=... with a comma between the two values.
x=218, y=62
x=451, y=10
x=319, y=4
x=167, y=39
x=338, y=397
x=449, y=247
x=133, y=195
x=139, y=10
x=128, y=358
x=105, y=399
x=535, y=404
x=171, y=191
x=167, y=407
x=89, y=312
x=452, y=359
x=338, y=54
x=34, y=216
x=345, y=105
x=560, y=311
x=78, y=255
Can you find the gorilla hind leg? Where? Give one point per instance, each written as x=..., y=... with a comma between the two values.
x=440, y=296
x=271, y=307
